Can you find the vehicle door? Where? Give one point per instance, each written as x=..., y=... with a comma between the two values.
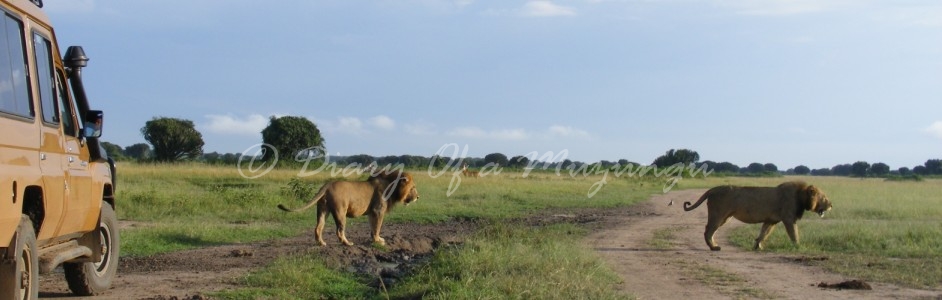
x=56, y=186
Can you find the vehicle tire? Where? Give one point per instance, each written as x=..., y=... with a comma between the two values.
x=90, y=278
x=21, y=280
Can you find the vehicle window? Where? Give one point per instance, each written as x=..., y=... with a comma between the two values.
x=69, y=126
x=41, y=48
x=14, y=80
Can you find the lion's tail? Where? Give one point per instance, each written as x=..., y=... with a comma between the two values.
x=317, y=198
x=689, y=207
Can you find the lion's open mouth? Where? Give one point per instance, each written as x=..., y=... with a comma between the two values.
x=821, y=214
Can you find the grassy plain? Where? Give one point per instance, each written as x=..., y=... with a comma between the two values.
x=878, y=230
x=176, y=207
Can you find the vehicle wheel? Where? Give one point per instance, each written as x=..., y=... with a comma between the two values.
x=21, y=279
x=89, y=278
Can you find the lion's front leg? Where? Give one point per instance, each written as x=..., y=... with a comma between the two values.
x=763, y=234
x=376, y=222
x=792, y=229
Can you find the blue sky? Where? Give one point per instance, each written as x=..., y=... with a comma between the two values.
x=794, y=82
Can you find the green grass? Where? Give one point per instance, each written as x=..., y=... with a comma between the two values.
x=662, y=238
x=185, y=206
x=300, y=277
x=508, y=262
x=878, y=230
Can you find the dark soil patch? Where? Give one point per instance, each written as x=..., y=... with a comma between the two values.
x=846, y=285
x=809, y=259
x=192, y=273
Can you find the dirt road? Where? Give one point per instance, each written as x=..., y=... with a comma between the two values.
x=682, y=266
x=676, y=269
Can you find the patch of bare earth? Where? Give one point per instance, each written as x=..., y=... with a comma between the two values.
x=684, y=267
x=193, y=273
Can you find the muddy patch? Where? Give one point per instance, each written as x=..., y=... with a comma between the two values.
x=846, y=285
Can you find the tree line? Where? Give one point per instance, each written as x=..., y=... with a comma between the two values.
x=173, y=140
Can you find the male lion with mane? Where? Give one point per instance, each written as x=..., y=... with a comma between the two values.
x=785, y=203
x=374, y=197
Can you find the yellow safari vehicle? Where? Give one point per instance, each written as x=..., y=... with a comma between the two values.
x=56, y=182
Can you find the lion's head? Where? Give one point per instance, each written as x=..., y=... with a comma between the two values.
x=816, y=201
x=399, y=186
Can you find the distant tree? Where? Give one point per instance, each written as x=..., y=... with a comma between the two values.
x=904, y=171
x=291, y=137
x=362, y=159
x=387, y=160
x=413, y=161
x=879, y=169
x=173, y=139
x=860, y=169
x=821, y=172
x=672, y=157
x=496, y=158
x=726, y=167
x=920, y=170
x=518, y=161
x=623, y=162
x=139, y=151
x=842, y=170
x=934, y=167
x=114, y=151
x=770, y=168
x=437, y=161
x=756, y=168
x=566, y=164
x=802, y=170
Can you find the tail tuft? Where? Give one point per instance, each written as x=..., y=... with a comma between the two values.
x=282, y=207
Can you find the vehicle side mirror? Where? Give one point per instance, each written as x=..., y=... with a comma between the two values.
x=93, y=124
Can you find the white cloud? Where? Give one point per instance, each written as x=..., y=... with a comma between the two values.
x=383, y=122
x=567, y=131
x=420, y=128
x=778, y=7
x=350, y=125
x=545, y=8
x=935, y=129
x=228, y=124
x=478, y=133
x=346, y=125
x=919, y=16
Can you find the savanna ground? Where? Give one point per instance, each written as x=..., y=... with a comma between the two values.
x=195, y=232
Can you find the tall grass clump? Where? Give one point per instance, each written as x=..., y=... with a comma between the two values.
x=509, y=262
x=300, y=277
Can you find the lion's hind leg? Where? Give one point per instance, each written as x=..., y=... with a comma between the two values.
x=763, y=234
x=319, y=228
x=713, y=224
x=341, y=220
